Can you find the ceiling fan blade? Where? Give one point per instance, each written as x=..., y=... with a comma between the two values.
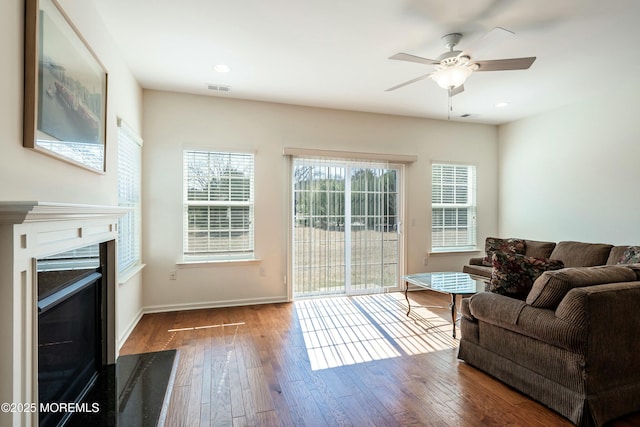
x=413, y=58
x=456, y=90
x=417, y=79
x=505, y=64
x=488, y=41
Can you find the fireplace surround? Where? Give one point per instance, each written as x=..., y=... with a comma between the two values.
x=31, y=230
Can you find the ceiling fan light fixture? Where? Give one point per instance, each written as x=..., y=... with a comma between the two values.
x=221, y=68
x=452, y=77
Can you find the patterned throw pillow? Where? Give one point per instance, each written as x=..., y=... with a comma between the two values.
x=505, y=246
x=631, y=255
x=513, y=274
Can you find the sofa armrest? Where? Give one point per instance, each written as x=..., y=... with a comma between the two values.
x=465, y=311
x=476, y=261
x=612, y=323
x=495, y=309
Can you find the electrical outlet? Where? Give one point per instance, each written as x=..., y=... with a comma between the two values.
x=173, y=275
x=263, y=272
x=425, y=260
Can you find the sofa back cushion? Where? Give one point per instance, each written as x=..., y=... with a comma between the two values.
x=513, y=275
x=538, y=249
x=578, y=254
x=550, y=288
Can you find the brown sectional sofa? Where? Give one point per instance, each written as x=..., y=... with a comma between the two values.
x=572, y=254
x=572, y=345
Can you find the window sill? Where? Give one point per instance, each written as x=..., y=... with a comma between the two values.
x=454, y=252
x=217, y=263
x=125, y=276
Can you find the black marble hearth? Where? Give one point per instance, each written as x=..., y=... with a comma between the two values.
x=130, y=393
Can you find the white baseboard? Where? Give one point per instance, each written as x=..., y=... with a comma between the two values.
x=122, y=339
x=212, y=304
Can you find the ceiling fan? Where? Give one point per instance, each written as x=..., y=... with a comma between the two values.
x=455, y=66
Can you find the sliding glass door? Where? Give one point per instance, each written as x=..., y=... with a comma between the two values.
x=346, y=226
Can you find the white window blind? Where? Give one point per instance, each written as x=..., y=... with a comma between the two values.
x=218, y=205
x=129, y=189
x=453, y=207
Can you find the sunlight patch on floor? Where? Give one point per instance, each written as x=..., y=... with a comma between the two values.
x=195, y=328
x=341, y=331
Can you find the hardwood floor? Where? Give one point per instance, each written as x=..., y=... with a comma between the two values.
x=356, y=361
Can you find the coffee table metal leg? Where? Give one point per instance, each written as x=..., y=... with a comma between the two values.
x=453, y=313
x=406, y=296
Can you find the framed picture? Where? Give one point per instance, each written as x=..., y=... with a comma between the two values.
x=65, y=95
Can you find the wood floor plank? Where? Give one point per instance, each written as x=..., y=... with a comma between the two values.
x=306, y=410
x=176, y=413
x=235, y=383
x=183, y=373
x=279, y=402
x=363, y=409
x=196, y=384
x=259, y=389
x=331, y=362
x=205, y=415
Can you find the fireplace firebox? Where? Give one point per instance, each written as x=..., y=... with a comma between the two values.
x=71, y=311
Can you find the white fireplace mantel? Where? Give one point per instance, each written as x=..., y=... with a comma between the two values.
x=31, y=211
x=30, y=230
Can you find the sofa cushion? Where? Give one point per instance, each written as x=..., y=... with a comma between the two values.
x=578, y=254
x=636, y=269
x=495, y=309
x=551, y=287
x=631, y=255
x=538, y=249
x=506, y=246
x=513, y=274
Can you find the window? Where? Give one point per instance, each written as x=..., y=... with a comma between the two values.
x=218, y=205
x=345, y=217
x=453, y=207
x=129, y=170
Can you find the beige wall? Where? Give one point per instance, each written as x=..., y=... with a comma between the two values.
x=175, y=121
x=573, y=173
x=28, y=175
x=35, y=176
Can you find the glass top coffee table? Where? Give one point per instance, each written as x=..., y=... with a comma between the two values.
x=451, y=283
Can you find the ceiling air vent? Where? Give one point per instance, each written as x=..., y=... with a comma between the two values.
x=219, y=88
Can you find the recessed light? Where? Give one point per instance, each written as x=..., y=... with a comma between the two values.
x=502, y=104
x=221, y=68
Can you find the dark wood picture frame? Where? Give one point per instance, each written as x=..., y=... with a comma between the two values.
x=65, y=89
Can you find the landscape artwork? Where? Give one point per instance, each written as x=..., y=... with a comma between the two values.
x=68, y=91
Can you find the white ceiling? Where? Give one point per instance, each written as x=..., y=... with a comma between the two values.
x=334, y=53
